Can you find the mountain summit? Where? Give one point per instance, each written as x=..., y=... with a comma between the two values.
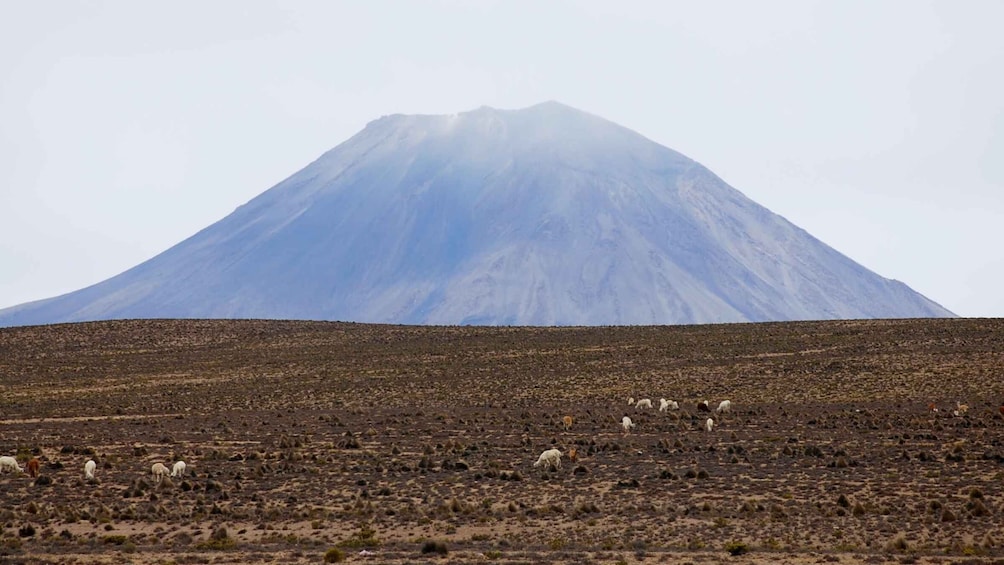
x=540, y=216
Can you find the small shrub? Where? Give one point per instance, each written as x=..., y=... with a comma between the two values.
x=977, y=508
x=436, y=547
x=897, y=543
x=777, y=513
x=220, y=540
x=217, y=544
x=334, y=555
x=695, y=544
x=362, y=539
x=736, y=548
x=585, y=508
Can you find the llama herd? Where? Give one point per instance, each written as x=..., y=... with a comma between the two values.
x=667, y=405
x=32, y=468
x=551, y=458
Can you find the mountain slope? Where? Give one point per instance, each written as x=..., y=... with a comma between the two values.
x=540, y=216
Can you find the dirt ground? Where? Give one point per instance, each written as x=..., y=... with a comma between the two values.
x=392, y=444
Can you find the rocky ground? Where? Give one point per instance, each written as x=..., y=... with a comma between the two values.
x=311, y=441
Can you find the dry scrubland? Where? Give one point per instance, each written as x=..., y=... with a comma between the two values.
x=307, y=440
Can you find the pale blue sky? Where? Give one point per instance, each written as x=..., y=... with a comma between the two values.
x=877, y=126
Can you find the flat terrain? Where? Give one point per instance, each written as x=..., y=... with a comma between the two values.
x=304, y=438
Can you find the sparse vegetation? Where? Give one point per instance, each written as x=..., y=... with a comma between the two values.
x=831, y=448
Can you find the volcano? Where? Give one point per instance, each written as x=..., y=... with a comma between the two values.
x=541, y=216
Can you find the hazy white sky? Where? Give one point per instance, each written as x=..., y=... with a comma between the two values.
x=877, y=126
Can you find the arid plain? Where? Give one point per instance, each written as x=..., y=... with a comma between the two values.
x=310, y=442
